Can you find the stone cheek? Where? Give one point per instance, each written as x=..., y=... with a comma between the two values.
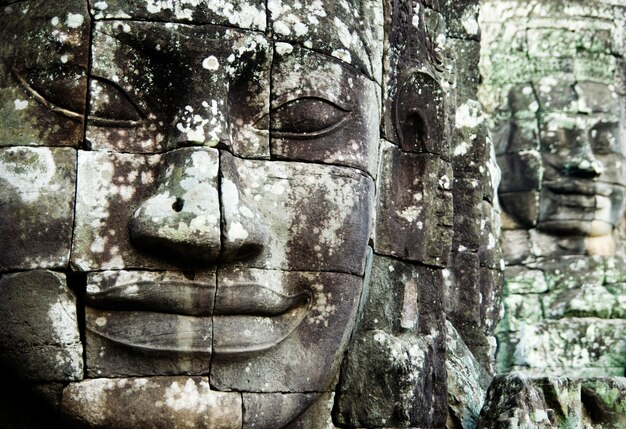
x=36, y=200
x=40, y=339
x=316, y=215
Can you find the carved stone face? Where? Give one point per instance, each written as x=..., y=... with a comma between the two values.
x=221, y=214
x=576, y=181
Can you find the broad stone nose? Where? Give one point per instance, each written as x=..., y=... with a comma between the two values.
x=584, y=164
x=181, y=221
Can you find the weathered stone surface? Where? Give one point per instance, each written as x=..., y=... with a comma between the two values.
x=272, y=327
x=586, y=347
x=391, y=381
x=419, y=111
x=515, y=401
x=37, y=203
x=40, y=339
x=134, y=343
x=394, y=372
x=467, y=215
x=467, y=382
x=148, y=323
x=576, y=294
x=516, y=246
x=351, y=31
x=239, y=13
x=415, y=207
x=462, y=17
x=168, y=291
x=274, y=410
x=43, y=82
x=206, y=97
x=171, y=199
x=155, y=402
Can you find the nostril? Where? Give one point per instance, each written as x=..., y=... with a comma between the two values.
x=178, y=205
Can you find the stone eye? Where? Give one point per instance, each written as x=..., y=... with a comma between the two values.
x=604, y=138
x=111, y=106
x=307, y=116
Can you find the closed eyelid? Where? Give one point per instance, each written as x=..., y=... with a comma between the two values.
x=307, y=117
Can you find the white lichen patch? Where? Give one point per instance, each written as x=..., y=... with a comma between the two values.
x=74, y=20
x=321, y=307
x=20, y=104
x=29, y=171
x=191, y=396
x=210, y=63
x=469, y=115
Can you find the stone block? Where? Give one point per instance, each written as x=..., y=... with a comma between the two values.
x=40, y=340
x=317, y=216
x=521, y=206
x=516, y=246
x=114, y=189
x=393, y=381
x=37, y=207
x=467, y=197
x=388, y=374
x=522, y=171
x=274, y=410
x=462, y=18
x=467, y=381
x=155, y=402
x=520, y=280
x=143, y=343
x=414, y=207
x=514, y=401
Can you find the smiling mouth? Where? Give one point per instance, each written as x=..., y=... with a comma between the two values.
x=188, y=316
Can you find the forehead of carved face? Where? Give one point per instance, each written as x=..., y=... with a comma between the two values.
x=213, y=185
x=566, y=153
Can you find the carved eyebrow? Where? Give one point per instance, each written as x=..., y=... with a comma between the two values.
x=44, y=101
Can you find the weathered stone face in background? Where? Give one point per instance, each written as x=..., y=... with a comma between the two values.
x=554, y=89
x=225, y=201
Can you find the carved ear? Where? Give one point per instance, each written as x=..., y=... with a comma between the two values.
x=420, y=114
